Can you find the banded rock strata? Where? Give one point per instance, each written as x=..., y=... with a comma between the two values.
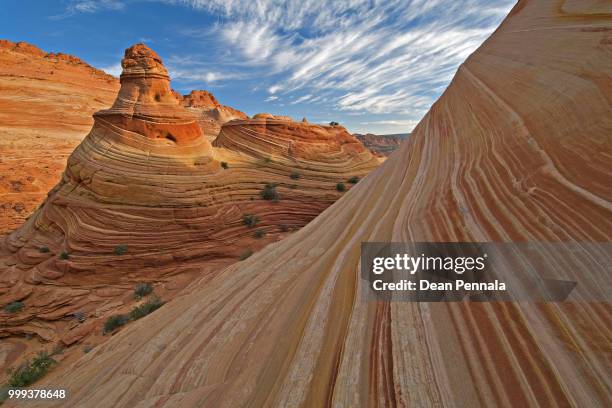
x=516, y=149
x=46, y=103
x=147, y=180
x=212, y=115
x=382, y=145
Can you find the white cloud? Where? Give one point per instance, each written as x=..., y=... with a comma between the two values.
x=392, y=56
x=75, y=7
x=199, y=75
x=400, y=122
x=274, y=89
x=114, y=70
x=271, y=98
x=356, y=56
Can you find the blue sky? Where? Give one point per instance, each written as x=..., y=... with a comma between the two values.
x=374, y=66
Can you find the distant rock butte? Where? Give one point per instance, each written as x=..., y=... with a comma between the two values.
x=147, y=178
x=266, y=135
x=211, y=114
x=516, y=149
x=381, y=145
x=46, y=106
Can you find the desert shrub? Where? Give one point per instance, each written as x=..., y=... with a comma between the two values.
x=224, y=165
x=142, y=289
x=259, y=233
x=64, y=255
x=14, y=307
x=121, y=249
x=269, y=192
x=340, y=187
x=79, y=316
x=353, y=180
x=43, y=249
x=250, y=220
x=295, y=175
x=284, y=227
x=113, y=322
x=246, y=254
x=333, y=123
x=30, y=371
x=150, y=306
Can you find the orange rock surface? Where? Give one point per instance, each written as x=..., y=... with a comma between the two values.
x=46, y=103
x=210, y=112
x=146, y=198
x=517, y=149
x=381, y=145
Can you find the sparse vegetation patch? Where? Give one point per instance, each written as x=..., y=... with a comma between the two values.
x=269, y=192
x=114, y=322
x=14, y=307
x=250, y=220
x=259, y=233
x=142, y=289
x=43, y=250
x=146, y=308
x=295, y=175
x=30, y=371
x=224, y=165
x=340, y=187
x=246, y=254
x=121, y=249
x=353, y=180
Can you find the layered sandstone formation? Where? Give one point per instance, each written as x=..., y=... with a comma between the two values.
x=517, y=149
x=146, y=198
x=212, y=115
x=46, y=103
x=381, y=145
x=326, y=151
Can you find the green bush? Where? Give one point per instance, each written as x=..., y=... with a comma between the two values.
x=113, y=322
x=246, y=254
x=14, y=307
x=259, y=233
x=30, y=371
x=121, y=249
x=64, y=255
x=333, y=123
x=80, y=316
x=295, y=175
x=44, y=250
x=224, y=165
x=340, y=187
x=353, y=180
x=250, y=220
x=150, y=306
x=269, y=192
x=142, y=289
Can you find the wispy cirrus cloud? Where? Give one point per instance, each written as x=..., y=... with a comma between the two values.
x=391, y=56
x=89, y=6
x=385, y=59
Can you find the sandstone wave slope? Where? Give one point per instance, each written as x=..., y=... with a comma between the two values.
x=517, y=149
x=146, y=198
x=46, y=103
